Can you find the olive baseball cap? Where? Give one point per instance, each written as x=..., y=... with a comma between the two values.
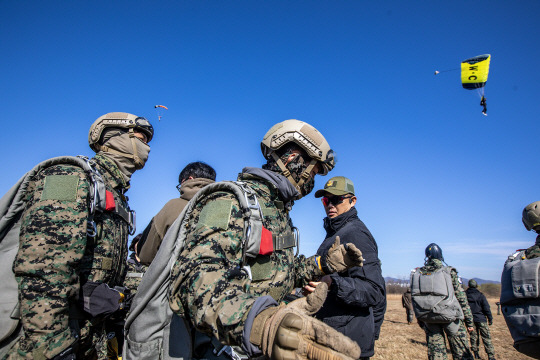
x=338, y=185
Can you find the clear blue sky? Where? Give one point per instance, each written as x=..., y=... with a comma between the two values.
x=426, y=164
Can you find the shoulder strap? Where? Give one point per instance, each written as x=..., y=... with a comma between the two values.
x=12, y=203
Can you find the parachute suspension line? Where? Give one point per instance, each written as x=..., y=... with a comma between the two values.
x=442, y=71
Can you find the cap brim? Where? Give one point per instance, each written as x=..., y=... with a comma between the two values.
x=323, y=192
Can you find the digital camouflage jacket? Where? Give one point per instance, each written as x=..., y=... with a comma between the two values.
x=533, y=251
x=208, y=286
x=434, y=264
x=56, y=258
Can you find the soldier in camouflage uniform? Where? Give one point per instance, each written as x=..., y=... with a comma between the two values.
x=482, y=321
x=459, y=343
x=58, y=264
x=234, y=305
x=528, y=344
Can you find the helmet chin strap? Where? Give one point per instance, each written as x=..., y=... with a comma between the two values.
x=306, y=174
x=139, y=164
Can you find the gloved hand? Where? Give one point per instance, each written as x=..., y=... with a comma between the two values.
x=288, y=332
x=341, y=257
x=490, y=322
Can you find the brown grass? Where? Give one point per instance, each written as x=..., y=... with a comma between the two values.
x=399, y=341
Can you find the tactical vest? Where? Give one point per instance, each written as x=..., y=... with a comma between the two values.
x=12, y=206
x=152, y=330
x=520, y=298
x=433, y=297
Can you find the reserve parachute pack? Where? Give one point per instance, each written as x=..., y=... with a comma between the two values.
x=433, y=297
x=12, y=205
x=152, y=330
x=520, y=299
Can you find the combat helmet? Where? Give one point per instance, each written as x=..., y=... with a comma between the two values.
x=119, y=120
x=305, y=136
x=433, y=251
x=531, y=215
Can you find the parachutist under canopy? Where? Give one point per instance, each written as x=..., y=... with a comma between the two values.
x=483, y=103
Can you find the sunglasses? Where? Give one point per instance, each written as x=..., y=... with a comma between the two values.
x=334, y=200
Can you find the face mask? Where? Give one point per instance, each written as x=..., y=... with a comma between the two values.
x=297, y=166
x=129, y=153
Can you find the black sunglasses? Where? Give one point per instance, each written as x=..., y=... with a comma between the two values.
x=334, y=200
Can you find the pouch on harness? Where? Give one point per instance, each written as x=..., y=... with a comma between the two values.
x=152, y=330
x=520, y=300
x=12, y=205
x=433, y=297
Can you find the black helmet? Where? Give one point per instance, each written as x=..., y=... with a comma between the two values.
x=433, y=251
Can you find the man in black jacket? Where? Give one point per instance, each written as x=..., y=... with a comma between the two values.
x=356, y=302
x=481, y=311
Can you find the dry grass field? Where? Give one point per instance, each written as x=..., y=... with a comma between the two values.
x=399, y=341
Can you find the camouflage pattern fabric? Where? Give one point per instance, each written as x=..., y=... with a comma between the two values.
x=459, y=343
x=207, y=284
x=132, y=282
x=55, y=258
x=481, y=329
x=533, y=251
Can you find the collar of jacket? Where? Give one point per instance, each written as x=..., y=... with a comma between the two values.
x=287, y=192
x=112, y=173
x=472, y=290
x=334, y=224
x=190, y=187
x=432, y=264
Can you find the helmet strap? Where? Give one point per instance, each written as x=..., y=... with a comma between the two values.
x=306, y=174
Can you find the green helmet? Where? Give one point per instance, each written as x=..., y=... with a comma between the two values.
x=531, y=215
x=305, y=136
x=119, y=120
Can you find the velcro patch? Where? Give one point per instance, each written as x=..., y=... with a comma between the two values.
x=60, y=187
x=216, y=214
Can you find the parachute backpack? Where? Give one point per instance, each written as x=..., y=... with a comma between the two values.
x=433, y=297
x=152, y=330
x=12, y=205
x=520, y=302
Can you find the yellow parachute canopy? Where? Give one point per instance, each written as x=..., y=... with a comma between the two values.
x=474, y=72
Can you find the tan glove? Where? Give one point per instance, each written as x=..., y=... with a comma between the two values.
x=288, y=332
x=341, y=258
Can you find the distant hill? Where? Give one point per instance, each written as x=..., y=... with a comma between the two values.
x=405, y=281
x=480, y=281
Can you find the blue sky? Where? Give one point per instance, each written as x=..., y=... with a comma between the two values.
x=426, y=164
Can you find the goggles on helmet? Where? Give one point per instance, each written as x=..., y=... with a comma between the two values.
x=143, y=125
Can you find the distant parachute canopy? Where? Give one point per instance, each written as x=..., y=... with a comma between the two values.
x=158, y=110
x=474, y=72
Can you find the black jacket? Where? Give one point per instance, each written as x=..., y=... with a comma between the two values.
x=356, y=303
x=479, y=305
